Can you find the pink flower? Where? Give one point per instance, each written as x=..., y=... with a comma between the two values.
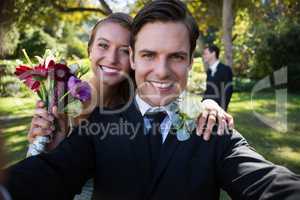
x=32, y=84
x=61, y=71
x=24, y=73
x=40, y=71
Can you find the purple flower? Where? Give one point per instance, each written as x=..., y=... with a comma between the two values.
x=79, y=89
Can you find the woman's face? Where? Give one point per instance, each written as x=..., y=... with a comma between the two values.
x=109, y=53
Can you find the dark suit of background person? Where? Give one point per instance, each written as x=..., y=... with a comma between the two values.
x=190, y=169
x=219, y=78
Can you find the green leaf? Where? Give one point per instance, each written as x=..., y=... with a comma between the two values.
x=74, y=108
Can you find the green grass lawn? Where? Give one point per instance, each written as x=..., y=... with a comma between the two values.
x=15, y=117
x=279, y=147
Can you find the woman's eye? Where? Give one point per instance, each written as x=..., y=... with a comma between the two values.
x=103, y=45
x=126, y=51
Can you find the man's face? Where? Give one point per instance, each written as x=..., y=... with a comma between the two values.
x=161, y=61
x=208, y=56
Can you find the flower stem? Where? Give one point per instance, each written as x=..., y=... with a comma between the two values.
x=62, y=97
x=26, y=56
x=44, y=95
x=40, y=95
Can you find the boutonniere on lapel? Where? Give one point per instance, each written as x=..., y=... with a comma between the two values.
x=186, y=110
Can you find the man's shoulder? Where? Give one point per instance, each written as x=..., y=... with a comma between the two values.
x=224, y=66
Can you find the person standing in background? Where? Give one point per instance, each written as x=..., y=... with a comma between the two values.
x=219, y=77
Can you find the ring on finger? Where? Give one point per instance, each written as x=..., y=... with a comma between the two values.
x=214, y=113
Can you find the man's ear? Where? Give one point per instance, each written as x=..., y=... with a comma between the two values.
x=215, y=55
x=131, y=58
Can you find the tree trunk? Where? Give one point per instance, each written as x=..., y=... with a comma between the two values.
x=227, y=19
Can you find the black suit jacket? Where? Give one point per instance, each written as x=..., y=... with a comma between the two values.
x=119, y=163
x=219, y=87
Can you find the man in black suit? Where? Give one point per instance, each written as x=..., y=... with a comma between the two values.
x=136, y=154
x=219, y=77
x=3, y=193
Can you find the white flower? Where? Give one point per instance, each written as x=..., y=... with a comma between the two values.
x=186, y=110
x=40, y=59
x=190, y=105
x=74, y=68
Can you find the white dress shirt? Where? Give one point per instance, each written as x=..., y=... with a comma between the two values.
x=144, y=107
x=213, y=67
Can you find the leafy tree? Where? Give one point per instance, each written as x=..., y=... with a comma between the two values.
x=46, y=14
x=36, y=41
x=74, y=45
x=280, y=50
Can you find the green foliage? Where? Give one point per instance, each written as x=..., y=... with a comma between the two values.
x=279, y=50
x=77, y=48
x=74, y=46
x=9, y=37
x=243, y=84
x=197, y=77
x=35, y=41
x=10, y=85
x=243, y=52
x=19, y=17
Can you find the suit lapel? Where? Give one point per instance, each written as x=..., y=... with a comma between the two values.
x=139, y=144
x=168, y=149
x=218, y=72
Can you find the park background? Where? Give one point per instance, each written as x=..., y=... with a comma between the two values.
x=257, y=38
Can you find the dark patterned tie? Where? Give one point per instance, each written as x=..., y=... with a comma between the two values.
x=209, y=72
x=154, y=136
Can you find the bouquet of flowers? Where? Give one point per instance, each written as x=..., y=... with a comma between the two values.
x=55, y=83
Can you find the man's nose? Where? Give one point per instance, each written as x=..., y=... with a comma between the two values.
x=162, y=69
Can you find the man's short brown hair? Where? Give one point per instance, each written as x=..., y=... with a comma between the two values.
x=165, y=11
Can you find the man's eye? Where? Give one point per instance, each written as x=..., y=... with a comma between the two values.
x=177, y=57
x=148, y=55
x=103, y=45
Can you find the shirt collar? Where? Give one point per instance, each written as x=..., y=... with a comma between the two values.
x=214, y=65
x=145, y=107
